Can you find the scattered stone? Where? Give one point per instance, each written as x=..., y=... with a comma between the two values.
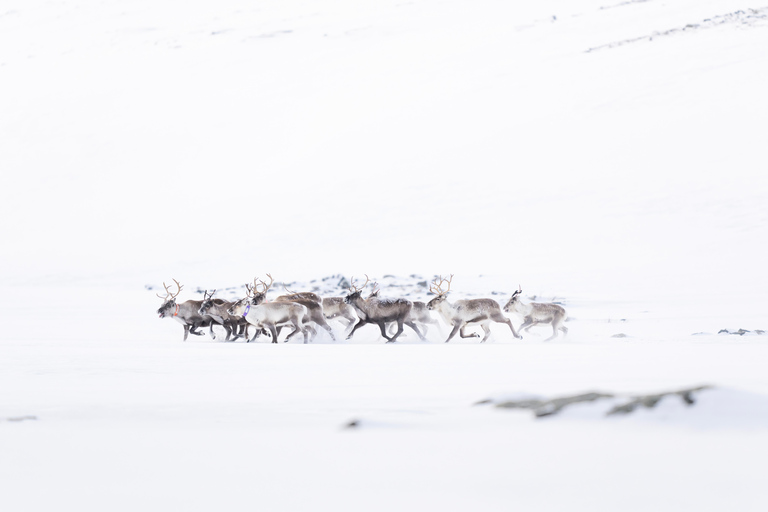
x=22, y=418
x=620, y=335
x=741, y=332
x=352, y=424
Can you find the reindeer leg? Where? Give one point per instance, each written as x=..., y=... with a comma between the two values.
x=487, y=329
x=383, y=327
x=210, y=329
x=294, y=331
x=412, y=325
x=463, y=335
x=329, y=330
x=359, y=324
x=186, y=332
x=399, y=330
x=504, y=320
x=273, y=332
x=455, y=329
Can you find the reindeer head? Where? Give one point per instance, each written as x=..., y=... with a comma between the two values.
x=355, y=291
x=514, y=301
x=169, y=300
x=259, y=290
x=207, y=302
x=239, y=307
x=437, y=289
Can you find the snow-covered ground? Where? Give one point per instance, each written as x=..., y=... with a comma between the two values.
x=607, y=155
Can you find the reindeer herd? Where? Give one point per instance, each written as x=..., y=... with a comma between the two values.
x=304, y=312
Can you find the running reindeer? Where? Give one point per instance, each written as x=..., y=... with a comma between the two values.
x=269, y=314
x=463, y=312
x=420, y=315
x=314, y=305
x=186, y=313
x=537, y=313
x=374, y=310
x=217, y=310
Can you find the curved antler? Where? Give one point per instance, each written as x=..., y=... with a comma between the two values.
x=169, y=295
x=354, y=288
x=265, y=285
x=437, y=288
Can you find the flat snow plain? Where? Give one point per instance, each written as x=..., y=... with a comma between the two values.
x=608, y=155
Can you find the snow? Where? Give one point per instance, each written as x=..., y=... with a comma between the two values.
x=605, y=155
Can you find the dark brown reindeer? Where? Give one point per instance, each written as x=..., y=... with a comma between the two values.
x=463, y=312
x=217, y=310
x=420, y=315
x=537, y=313
x=186, y=313
x=374, y=310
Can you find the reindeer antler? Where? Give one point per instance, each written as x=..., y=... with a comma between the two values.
x=375, y=289
x=169, y=295
x=437, y=288
x=262, y=283
x=353, y=288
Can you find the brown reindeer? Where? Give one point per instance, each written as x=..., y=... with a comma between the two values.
x=186, y=313
x=378, y=311
x=217, y=310
x=463, y=312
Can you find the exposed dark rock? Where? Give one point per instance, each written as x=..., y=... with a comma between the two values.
x=650, y=401
x=549, y=407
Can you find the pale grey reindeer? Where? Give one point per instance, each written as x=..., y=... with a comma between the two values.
x=268, y=315
x=336, y=308
x=186, y=313
x=536, y=313
x=463, y=312
x=378, y=311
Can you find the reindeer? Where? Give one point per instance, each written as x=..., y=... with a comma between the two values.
x=185, y=313
x=269, y=314
x=420, y=315
x=332, y=307
x=314, y=306
x=463, y=312
x=217, y=310
x=380, y=311
x=537, y=313
x=335, y=307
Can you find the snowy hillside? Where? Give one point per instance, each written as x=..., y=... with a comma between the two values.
x=606, y=155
